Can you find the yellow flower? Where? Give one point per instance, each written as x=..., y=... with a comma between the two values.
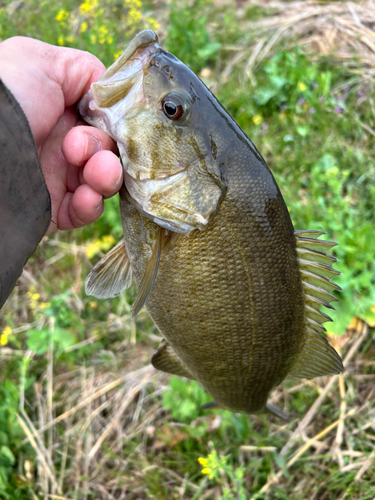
x=44, y=305
x=92, y=249
x=118, y=54
x=108, y=239
x=5, y=334
x=35, y=296
x=60, y=40
x=206, y=470
x=70, y=38
x=62, y=15
x=154, y=25
x=84, y=27
x=88, y=6
x=93, y=39
x=302, y=86
x=135, y=15
x=203, y=461
x=103, y=32
x=257, y=119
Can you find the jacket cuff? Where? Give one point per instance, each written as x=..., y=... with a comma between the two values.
x=25, y=204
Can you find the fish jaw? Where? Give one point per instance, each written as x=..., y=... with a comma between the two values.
x=120, y=89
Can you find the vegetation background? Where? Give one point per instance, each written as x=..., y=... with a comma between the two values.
x=82, y=414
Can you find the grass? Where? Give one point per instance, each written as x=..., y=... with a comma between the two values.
x=82, y=414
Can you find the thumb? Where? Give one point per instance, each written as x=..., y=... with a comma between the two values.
x=74, y=71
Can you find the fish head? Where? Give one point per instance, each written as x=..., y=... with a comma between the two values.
x=163, y=121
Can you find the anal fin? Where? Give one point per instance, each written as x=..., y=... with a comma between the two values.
x=166, y=360
x=111, y=275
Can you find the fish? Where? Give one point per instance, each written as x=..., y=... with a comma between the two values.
x=233, y=289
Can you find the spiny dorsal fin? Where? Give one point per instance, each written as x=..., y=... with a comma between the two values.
x=111, y=275
x=317, y=357
x=318, y=281
x=166, y=360
x=308, y=233
x=148, y=279
x=316, y=268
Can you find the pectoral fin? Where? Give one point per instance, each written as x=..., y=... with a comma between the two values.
x=148, y=279
x=111, y=275
x=166, y=360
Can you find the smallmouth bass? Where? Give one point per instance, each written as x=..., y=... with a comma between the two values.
x=233, y=289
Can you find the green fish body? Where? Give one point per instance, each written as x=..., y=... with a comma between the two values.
x=233, y=289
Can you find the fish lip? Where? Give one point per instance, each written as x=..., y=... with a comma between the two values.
x=142, y=40
x=128, y=68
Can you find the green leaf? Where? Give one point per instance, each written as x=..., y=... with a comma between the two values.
x=302, y=130
x=38, y=340
x=5, y=453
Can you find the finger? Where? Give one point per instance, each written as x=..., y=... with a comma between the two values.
x=75, y=70
x=82, y=207
x=82, y=142
x=103, y=172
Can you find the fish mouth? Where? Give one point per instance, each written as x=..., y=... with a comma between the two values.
x=122, y=83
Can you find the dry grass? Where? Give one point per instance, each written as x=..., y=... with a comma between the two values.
x=82, y=421
x=344, y=30
x=92, y=430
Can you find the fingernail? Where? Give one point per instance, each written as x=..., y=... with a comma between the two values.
x=99, y=205
x=92, y=146
x=119, y=178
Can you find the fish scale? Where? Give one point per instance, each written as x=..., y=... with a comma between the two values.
x=231, y=333
x=234, y=291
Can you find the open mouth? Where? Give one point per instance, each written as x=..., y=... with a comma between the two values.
x=122, y=78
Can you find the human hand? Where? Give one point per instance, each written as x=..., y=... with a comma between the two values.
x=78, y=161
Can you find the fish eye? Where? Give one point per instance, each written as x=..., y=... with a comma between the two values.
x=172, y=107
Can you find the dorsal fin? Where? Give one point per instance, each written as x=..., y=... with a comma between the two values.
x=317, y=356
x=111, y=275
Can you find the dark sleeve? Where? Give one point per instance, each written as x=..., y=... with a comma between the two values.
x=25, y=205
